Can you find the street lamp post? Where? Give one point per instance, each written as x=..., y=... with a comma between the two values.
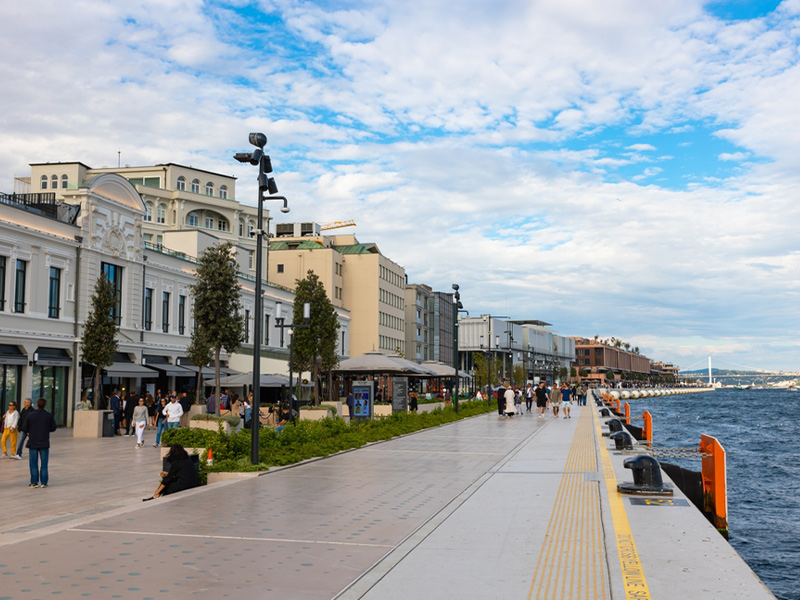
x=457, y=308
x=280, y=324
x=267, y=190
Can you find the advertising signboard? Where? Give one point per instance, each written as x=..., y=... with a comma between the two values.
x=363, y=398
x=399, y=394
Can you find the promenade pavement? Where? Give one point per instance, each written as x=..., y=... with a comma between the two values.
x=487, y=507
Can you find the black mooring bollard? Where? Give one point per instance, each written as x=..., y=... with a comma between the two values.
x=646, y=477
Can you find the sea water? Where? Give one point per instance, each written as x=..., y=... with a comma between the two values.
x=759, y=430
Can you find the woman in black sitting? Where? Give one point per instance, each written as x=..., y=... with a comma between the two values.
x=182, y=474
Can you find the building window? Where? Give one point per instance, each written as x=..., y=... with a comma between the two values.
x=165, y=312
x=44, y=182
x=250, y=228
x=222, y=225
x=114, y=274
x=54, y=297
x=64, y=182
x=241, y=228
x=148, y=309
x=209, y=189
x=209, y=222
x=182, y=183
x=2, y=282
x=193, y=219
x=181, y=314
x=250, y=256
x=223, y=192
x=246, y=326
x=280, y=268
x=19, y=287
x=162, y=214
x=196, y=186
x=148, y=211
x=54, y=182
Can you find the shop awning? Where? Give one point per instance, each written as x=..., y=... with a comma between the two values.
x=10, y=355
x=52, y=357
x=123, y=369
x=162, y=364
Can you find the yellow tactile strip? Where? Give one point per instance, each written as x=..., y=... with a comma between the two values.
x=572, y=561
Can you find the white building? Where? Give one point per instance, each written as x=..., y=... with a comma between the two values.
x=54, y=244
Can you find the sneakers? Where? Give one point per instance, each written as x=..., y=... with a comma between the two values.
x=16, y=457
x=44, y=485
x=33, y=485
x=155, y=445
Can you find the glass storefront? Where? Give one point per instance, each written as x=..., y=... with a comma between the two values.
x=50, y=383
x=10, y=385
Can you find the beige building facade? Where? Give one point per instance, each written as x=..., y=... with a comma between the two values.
x=357, y=277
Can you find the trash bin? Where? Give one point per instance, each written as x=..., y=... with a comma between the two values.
x=108, y=423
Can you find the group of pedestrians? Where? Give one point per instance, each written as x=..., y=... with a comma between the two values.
x=33, y=426
x=138, y=413
x=558, y=397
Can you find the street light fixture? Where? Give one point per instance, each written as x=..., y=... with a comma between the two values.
x=457, y=308
x=267, y=190
x=279, y=323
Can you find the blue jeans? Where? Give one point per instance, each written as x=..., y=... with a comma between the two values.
x=162, y=426
x=38, y=473
x=173, y=425
x=21, y=441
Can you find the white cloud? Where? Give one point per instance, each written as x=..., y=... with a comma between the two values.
x=462, y=156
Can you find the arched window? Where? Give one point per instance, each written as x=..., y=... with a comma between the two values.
x=64, y=181
x=250, y=227
x=193, y=219
x=209, y=221
x=162, y=214
x=54, y=182
x=222, y=224
x=182, y=183
x=223, y=191
x=209, y=189
x=148, y=211
x=241, y=225
x=44, y=182
x=196, y=186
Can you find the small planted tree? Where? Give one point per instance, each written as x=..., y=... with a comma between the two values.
x=99, y=339
x=217, y=307
x=314, y=347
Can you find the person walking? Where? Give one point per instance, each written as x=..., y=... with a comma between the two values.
x=115, y=405
x=130, y=405
x=555, y=399
x=22, y=436
x=501, y=400
x=140, y=421
x=518, y=401
x=161, y=421
x=10, y=425
x=541, y=399
x=38, y=425
x=566, y=400
x=174, y=412
x=413, y=402
x=510, y=396
x=529, y=398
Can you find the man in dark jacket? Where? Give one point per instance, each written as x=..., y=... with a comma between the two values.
x=26, y=408
x=130, y=405
x=38, y=425
x=501, y=400
x=115, y=405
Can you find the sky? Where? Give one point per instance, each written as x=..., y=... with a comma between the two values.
x=616, y=168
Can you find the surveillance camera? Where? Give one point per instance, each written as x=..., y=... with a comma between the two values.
x=258, y=139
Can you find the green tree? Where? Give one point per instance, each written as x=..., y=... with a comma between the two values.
x=518, y=375
x=217, y=307
x=99, y=339
x=314, y=347
x=486, y=369
x=199, y=352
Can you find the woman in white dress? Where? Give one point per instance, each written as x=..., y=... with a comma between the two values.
x=140, y=422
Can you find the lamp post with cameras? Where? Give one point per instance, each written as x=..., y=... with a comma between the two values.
x=267, y=190
x=457, y=308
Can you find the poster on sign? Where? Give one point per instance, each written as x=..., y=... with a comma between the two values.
x=362, y=399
